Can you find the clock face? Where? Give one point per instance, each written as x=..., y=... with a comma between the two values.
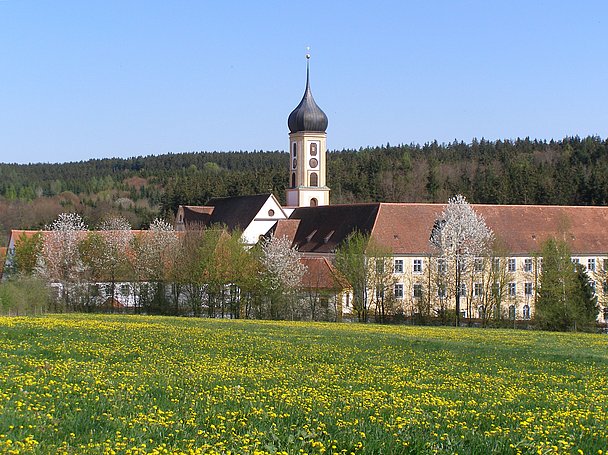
x=313, y=162
x=295, y=163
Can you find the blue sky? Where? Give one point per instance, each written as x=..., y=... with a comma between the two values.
x=94, y=79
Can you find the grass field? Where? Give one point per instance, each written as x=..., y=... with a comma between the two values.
x=134, y=385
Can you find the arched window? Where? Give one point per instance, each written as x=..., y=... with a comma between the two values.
x=295, y=149
x=512, y=312
x=293, y=180
x=314, y=202
x=314, y=179
x=526, y=311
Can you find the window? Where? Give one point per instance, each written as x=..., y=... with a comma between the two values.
x=293, y=180
x=481, y=312
x=295, y=149
x=593, y=285
x=461, y=264
x=314, y=179
x=526, y=311
x=495, y=289
x=478, y=290
x=347, y=302
x=576, y=261
x=441, y=291
x=417, y=265
x=512, y=265
x=313, y=149
x=527, y=265
x=417, y=290
x=314, y=202
x=606, y=314
x=528, y=289
x=270, y=212
x=605, y=287
x=399, y=291
x=512, y=312
x=380, y=266
x=478, y=264
x=496, y=264
x=442, y=266
x=379, y=293
x=591, y=264
x=398, y=265
x=463, y=289
x=125, y=290
x=605, y=265
x=512, y=289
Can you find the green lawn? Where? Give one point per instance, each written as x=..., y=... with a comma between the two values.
x=134, y=385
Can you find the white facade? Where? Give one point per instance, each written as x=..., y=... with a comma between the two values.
x=263, y=221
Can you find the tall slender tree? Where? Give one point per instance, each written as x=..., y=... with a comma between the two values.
x=460, y=235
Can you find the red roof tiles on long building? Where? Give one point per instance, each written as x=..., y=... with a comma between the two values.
x=521, y=229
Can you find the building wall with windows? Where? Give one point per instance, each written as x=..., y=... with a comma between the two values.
x=505, y=285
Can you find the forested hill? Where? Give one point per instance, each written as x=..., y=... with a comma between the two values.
x=572, y=171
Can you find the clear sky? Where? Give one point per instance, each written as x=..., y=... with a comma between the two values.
x=119, y=78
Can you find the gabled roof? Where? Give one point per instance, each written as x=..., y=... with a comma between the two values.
x=17, y=233
x=322, y=229
x=321, y=275
x=521, y=229
x=197, y=214
x=236, y=212
x=285, y=228
x=405, y=227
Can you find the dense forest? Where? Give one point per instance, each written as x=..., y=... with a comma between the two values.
x=573, y=171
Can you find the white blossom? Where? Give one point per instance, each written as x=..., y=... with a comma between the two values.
x=460, y=231
x=283, y=263
x=60, y=259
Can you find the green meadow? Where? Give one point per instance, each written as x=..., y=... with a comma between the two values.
x=103, y=384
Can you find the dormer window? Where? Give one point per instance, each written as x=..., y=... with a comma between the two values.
x=311, y=235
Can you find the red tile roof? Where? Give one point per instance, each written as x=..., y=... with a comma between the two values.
x=321, y=274
x=406, y=228
x=286, y=228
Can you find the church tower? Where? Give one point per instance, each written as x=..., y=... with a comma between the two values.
x=308, y=149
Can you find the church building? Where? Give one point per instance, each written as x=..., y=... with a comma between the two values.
x=317, y=228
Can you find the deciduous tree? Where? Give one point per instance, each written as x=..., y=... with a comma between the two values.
x=459, y=235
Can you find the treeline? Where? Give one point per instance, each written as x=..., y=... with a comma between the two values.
x=572, y=171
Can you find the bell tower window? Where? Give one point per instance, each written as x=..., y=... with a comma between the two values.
x=295, y=149
x=314, y=179
x=293, y=180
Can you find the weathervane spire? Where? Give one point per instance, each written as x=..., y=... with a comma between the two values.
x=307, y=67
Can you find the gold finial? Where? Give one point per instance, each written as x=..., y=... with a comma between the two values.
x=307, y=52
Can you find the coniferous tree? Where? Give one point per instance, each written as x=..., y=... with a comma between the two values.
x=566, y=300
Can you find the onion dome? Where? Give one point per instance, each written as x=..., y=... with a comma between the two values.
x=307, y=116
